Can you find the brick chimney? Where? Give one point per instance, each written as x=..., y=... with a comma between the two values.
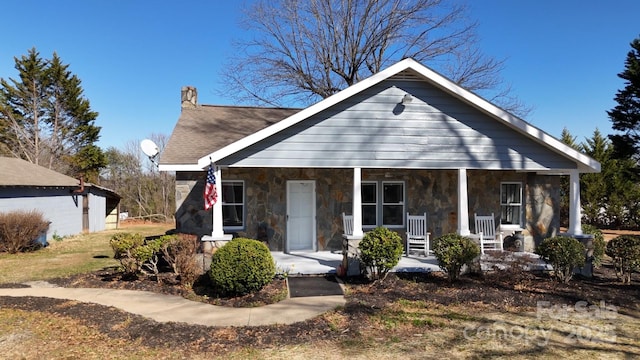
x=189, y=97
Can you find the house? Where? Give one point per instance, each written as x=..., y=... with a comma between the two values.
x=405, y=140
x=70, y=205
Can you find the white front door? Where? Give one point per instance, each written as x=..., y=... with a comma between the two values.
x=301, y=215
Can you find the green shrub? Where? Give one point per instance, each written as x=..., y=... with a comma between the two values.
x=380, y=250
x=179, y=252
x=19, y=230
x=598, y=243
x=242, y=266
x=564, y=254
x=124, y=247
x=453, y=251
x=624, y=250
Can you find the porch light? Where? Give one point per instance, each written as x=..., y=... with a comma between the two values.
x=407, y=98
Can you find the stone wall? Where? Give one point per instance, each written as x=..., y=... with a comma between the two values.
x=190, y=214
x=543, y=209
x=430, y=191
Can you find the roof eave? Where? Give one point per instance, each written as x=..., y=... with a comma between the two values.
x=181, y=167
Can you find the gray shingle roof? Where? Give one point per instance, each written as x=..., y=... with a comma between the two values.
x=18, y=172
x=205, y=128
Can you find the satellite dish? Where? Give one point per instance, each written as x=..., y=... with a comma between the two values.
x=149, y=148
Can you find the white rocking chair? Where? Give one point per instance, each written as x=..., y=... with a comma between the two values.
x=347, y=225
x=417, y=235
x=486, y=233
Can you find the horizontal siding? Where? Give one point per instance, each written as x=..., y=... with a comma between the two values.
x=57, y=206
x=372, y=129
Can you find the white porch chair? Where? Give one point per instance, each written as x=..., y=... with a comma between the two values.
x=347, y=225
x=486, y=233
x=417, y=235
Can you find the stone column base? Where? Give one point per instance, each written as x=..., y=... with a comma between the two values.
x=210, y=242
x=350, y=260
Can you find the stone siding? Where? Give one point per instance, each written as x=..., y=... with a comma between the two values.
x=543, y=209
x=430, y=191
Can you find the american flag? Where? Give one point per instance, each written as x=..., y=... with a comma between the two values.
x=210, y=192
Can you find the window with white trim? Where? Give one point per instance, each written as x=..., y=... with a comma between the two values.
x=383, y=203
x=233, y=204
x=511, y=203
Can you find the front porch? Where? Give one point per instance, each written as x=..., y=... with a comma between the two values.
x=326, y=262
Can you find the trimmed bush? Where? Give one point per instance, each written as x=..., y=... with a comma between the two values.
x=380, y=250
x=242, y=266
x=19, y=230
x=598, y=243
x=564, y=254
x=453, y=251
x=124, y=247
x=624, y=250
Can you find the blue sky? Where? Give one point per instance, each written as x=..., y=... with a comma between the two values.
x=562, y=56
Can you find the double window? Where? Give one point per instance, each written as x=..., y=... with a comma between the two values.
x=511, y=203
x=383, y=203
x=233, y=204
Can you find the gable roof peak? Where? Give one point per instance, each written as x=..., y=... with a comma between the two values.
x=584, y=162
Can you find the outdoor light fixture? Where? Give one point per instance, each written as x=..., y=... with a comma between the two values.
x=407, y=98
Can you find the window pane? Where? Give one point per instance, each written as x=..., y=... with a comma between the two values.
x=238, y=192
x=369, y=215
x=392, y=215
x=233, y=203
x=369, y=193
x=510, y=215
x=231, y=192
x=232, y=215
x=511, y=193
x=393, y=194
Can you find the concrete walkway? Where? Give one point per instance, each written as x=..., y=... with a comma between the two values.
x=171, y=308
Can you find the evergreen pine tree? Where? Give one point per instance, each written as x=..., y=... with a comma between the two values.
x=570, y=140
x=47, y=120
x=626, y=115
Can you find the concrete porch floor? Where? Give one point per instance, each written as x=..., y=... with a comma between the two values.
x=326, y=262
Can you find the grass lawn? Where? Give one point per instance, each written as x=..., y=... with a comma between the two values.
x=72, y=255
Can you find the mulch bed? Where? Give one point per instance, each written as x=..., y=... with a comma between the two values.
x=499, y=290
x=202, y=290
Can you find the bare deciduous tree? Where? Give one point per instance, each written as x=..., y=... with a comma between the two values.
x=145, y=191
x=306, y=50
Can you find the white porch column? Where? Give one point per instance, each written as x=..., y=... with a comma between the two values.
x=463, y=203
x=575, y=215
x=217, y=231
x=357, y=203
